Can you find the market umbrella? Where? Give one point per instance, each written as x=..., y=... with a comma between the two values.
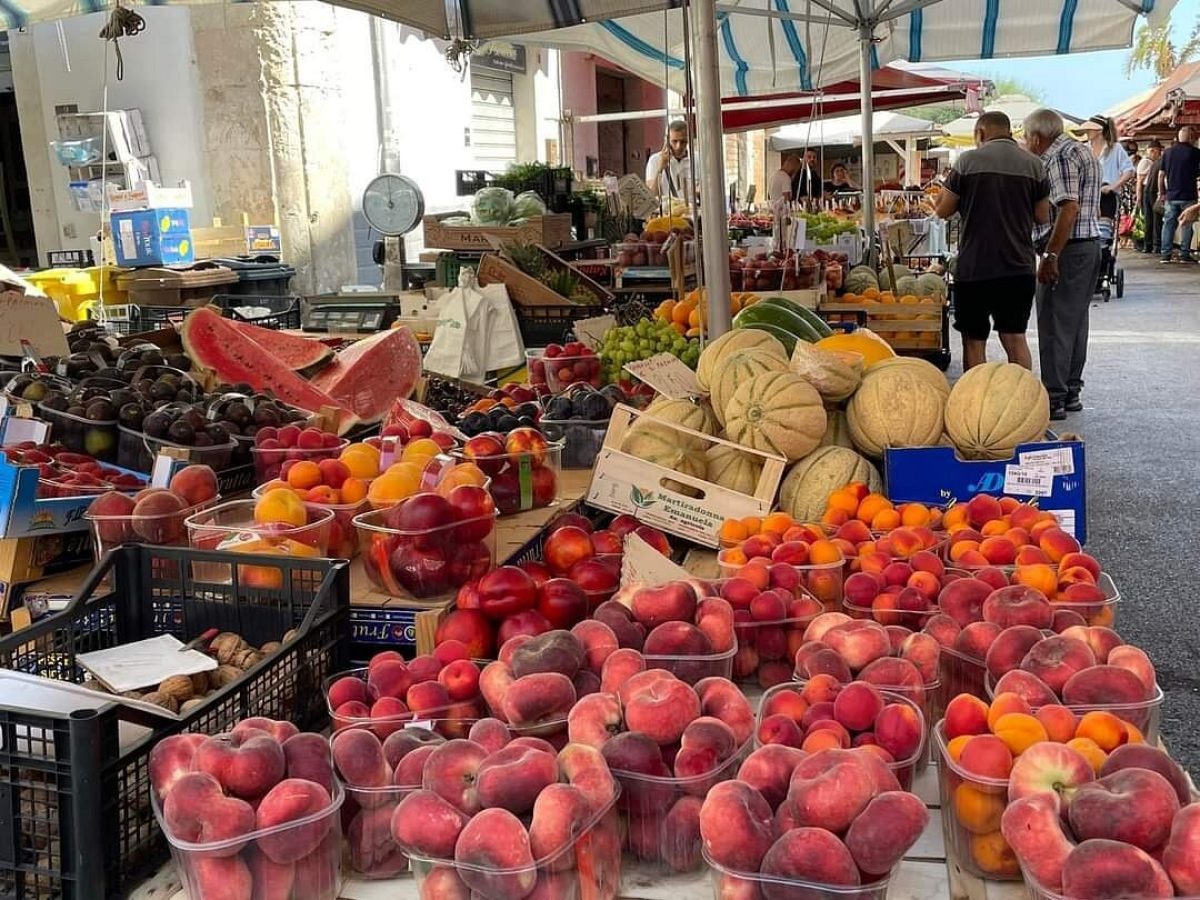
x=889, y=126
x=961, y=131
x=1173, y=103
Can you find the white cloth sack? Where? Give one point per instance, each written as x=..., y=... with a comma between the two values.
x=477, y=332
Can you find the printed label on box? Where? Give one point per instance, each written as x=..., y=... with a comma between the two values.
x=666, y=374
x=1059, y=460
x=1066, y=519
x=1028, y=481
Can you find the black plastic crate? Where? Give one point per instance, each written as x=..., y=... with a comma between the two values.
x=281, y=312
x=75, y=815
x=128, y=318
x=542, y=325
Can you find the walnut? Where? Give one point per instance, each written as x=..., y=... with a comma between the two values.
x=93, y=685
x=246, y=659
x=200, y=684
x=291, y=635
x=132, y=695
x=225, y=645
x=190, y=705
x=270, y=647
x=224, y=675
x=158, y=698
x=177, y=686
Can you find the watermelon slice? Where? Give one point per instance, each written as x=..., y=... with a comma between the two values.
x=215, y=345
x=373, y=372
x=297, y=353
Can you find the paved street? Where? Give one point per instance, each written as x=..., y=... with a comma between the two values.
x=1140, y=422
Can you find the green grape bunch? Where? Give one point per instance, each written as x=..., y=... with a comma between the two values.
x=647, y=338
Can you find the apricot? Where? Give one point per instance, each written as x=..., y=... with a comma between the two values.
x=999, y=551
x=1003, y=704
x=1089, y=750
x=1039, y=576
x=1060, y=723
x=1019, y=731
x=955, y=747
x=1105, y=729
x=976, y=811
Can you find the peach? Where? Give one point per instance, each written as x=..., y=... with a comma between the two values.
x=807, y=854
x=674, y=601
x=897, y=675
x=1080, y=560
x=1059, y=722
x=663, y=710
x=545, y=696
x=348, y=688
x=714, y=617
x=585, y=768
x=705, y=745
x=817, y=627
x=512, y=778
x=273, y=881
x=736, y=826
x=1105, y=729
x=680, y=842
x=223, y=878
x=246, y=769
x=490, y=734
x=594, y=719
x=896, y=574
x=494, y=683
x=783, y=577
x=857, y=705
x=1049, y=767
x=1181, y=856
x=739, y=592
x=451, y=771
x=883, y=832
x=426, y=696
x=554, y=651
x=983, y=508
x=779, y=729
x=1143, y=756
x=196, y=810
x=1018, y=605
x=976, y=639
x=639, y=682
x=1102, y=640
x=769, y=770
x=1033, y=828
x=411, y=768
x=289, y=801
x=599, y=641
x=1010, y=648
x=559, y=814
x=998, y=550
x=1103, y=684
x=1103, y=868
x=1135, y=806
x=171, y=759
x=1057, y=544
x=926, y=584
x=858, y=642
x=1065, y=619
x=247, y=728
x=899, y=730
x=861, y=588
x=390, y=678
x=372, y=848
x=1136, y=661
x=720, y=698
x=788, y=702
x=1055, y=659
x=617, y=616
x=677, y=639
x=897, y=634
x=1027, y=686
x=943, y=629
x=965, y=715
x=494, y=854
x=586, y=682
x=443, y=883
x=923, y=652
x=829, y=789
x=987, y=756
x=826, y=661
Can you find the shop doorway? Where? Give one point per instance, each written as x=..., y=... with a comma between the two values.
x=618, y=152
x=493, y=124
x=17, y=246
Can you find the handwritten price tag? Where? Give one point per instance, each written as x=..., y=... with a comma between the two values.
x=667, y=375
x=590, y=332
x=643, y=565
x=30, y=319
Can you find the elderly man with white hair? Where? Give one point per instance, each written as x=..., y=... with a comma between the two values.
x=1070, y=258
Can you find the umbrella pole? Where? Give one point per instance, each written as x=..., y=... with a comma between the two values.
x=713, y=224
x=866, y=36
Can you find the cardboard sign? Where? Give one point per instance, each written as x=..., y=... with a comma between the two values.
x=590, y=332
x=643, y=565
x=34, y=319
x=667, y=375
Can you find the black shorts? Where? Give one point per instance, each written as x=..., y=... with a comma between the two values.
x=1006, y=302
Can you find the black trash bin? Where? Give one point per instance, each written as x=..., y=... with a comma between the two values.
x=262, y=275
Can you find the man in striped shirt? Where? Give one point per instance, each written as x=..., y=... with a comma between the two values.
x=1070, y=258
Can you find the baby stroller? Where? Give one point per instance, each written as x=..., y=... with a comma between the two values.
x=1112, y=277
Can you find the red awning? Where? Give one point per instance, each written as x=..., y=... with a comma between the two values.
x=1174, y=103
x=892, y=87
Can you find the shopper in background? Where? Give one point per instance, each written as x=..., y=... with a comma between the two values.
x=1116, y=169
x=839, y=180
x=806, y=183
x=669, y=172
x=1070, y=263
x=779, y=188
x=1177, y=187
x=1000, y=191
x=1148, y=197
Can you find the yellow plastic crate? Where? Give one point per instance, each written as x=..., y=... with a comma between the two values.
x=76, y=291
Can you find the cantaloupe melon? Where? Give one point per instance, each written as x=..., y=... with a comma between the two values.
x=731, y=342
x=807, y=485
x=734, y=469
x=776, y=412
x=894, y=408
x=666, y=447
x=921, y=367
x=994, y=407
x=863, y=341
x=837, y=432
x=736, y=369
x=834, y=373
x=885, y=276
x=694, y=414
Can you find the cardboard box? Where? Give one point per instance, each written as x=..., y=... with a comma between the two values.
x=25, y=604
x=549, y=230
x=152, y=237
x=937, y=475
x=622, y=483
x=24, y=514
x=30, y=558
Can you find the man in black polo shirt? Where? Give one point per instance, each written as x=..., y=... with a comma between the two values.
x=1177, y=186
x=999, y=190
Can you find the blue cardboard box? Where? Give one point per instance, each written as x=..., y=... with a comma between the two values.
x=1050, y=473
x=152, y=237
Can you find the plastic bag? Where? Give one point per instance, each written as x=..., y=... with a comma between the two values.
x=405, y=412
x=528, y=205
x=492, y=206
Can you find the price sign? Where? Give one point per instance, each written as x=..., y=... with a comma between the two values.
x=590, y=332
x=642, y=564
x=667, y=375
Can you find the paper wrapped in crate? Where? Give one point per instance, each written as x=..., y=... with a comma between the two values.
x=657, y=471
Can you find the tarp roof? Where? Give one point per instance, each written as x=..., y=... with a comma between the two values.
x=848, y=130
x=961, y=132
x=1171, y=104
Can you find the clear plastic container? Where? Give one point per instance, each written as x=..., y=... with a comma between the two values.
x=766, y=650
x=731, y=883
x=137, y=451
x=535, y=365
x=163, y=530
x=231, y=527
x=581, y=440
x=521, y=481
x=691, y=669
x=823, y=580
x=97, y=439
x=903, y=769
x=50, y=487
x=647, y=802
x=343, y=535
x=1144, y=715
x=960, y=674
x=564, y=371
x=313, y=844
x=631, y=253
x=1035, y=891
x=453, y=720
x=269, y=462
x=971, y=809
x=912, y=620
x=428, y=563
x=587, y=867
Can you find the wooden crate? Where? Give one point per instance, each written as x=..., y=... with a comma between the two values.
x=905, y=326
x=549, y=230
x=525, y=290
x=622, y=483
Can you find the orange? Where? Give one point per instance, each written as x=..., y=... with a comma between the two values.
x=402, y=479
x=280, y=505
x=354, y=490
x=304, y=474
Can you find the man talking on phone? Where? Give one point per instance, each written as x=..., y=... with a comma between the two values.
x=669, y=172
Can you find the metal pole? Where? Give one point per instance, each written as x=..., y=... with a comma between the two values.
x=707, y=81
x=865, y=36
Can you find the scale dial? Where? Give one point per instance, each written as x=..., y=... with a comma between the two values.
x=393, y=204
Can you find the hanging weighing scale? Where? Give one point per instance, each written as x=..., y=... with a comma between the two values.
x=393, y=205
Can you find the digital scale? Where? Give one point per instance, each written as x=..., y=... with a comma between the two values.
x=351, y=312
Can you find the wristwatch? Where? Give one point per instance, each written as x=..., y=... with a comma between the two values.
x=1050, y=254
